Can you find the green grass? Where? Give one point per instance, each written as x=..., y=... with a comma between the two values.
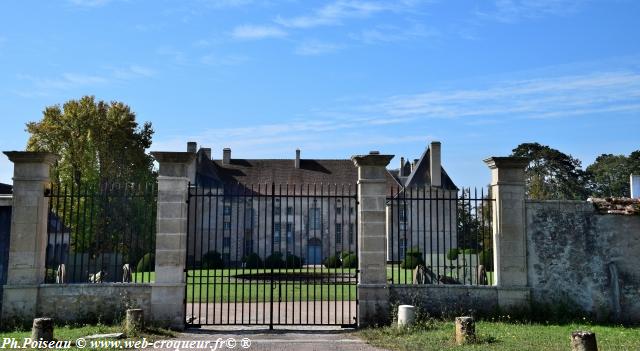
x=492, y=335
x=73, y=332
x=221, y=285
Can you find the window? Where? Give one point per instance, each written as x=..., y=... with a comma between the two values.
x=276, y=210
x=226, y=241
x=338, y=233
x=403, y=247
x=289, y=210
x=351, y=210
x=226, y=226
x=290, y=236
x=277, y=228
x=248, y=218
x=338, y=210
x=402, y=213
x=248, y=246
x=351, y=233
x=315, y=220
x=227, y=209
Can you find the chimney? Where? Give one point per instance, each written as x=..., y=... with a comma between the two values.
x=226, y=156
x=297, y=161
x=207, y=152
x=414, y=164
x=402, y=167
x=635, y=186
x=192, y=146
x=435, y=164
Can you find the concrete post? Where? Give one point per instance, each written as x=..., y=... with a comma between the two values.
x=509, y=237
x=28, y=243
x=373, y=293
x=167, y=294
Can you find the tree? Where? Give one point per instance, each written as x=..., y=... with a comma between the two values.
x=102, y=159
x=609, y=174
x=552, y=174
x=97, y=142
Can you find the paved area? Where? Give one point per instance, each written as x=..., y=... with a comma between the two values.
x=281, y=338
x=293, y=312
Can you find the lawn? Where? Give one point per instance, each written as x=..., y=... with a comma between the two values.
x=224, y=285
x=439, y=335
x=73, y=332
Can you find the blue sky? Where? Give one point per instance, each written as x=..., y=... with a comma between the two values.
x=336, y=78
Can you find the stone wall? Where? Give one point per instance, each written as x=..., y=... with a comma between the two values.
x=575, y=254
x=105, y=302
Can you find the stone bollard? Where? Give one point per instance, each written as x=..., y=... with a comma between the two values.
x=465, y=330
x=42, y=329
x=406, y=315
x=135, y=320
x=583, y=341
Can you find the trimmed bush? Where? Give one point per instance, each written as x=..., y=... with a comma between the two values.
x=294, y=261
x=147, y=263
x=344, y=254
x=469, y=251
x=274, y=261
x=350, y=261
x=452, y=254
x=252, y=260
x=485, y=257
x=212, y=260
x=411, y=262
x=332, y=262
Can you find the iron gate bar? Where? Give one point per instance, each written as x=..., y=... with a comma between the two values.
x=269, y=242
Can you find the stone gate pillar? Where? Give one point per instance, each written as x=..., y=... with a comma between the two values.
x=168, y=290
x=373, y=292
x=28, y=242
x=509, y=236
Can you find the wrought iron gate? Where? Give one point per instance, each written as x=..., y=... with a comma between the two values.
x=272, y=254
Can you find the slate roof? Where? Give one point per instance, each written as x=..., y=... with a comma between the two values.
x=312, y=171
x=421, y=176
x=5, y=189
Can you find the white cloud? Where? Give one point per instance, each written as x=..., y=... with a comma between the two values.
x=314, y=47
x=533, y=98
x=511, y=11
x=387, y=34
x=257, y=32
x=89, y=3
x=335, y=12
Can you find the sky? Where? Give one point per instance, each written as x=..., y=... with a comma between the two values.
x=336, y=78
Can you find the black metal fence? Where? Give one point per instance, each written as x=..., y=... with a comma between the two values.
x=438, y=236
x=101, y=234
x=272, y=254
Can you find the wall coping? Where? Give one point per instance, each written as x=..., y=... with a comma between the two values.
x=459, y=287
x=31, y=157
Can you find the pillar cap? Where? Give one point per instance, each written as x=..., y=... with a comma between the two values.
x=173, y=156
x=31, y=157
x=371, y=160
x=507, y=162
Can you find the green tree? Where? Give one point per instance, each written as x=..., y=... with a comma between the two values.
x=609, y=174
x=97, y=142
x=552, y=174
x=102, y=159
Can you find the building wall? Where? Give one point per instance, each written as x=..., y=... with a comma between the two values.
x=584, y=259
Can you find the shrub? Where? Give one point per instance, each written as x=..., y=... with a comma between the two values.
x=344, y=254
x=252, y=260
x=350, y=261
x=485, y=257
x=411, y=262
x=294, y=261
x=332, y=262
x=212, y=260
x=274, y=261
x=469, y=251
x=147, y=263
x=452, y=254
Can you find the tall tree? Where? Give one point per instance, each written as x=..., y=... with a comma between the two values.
x=609, y=174
x=98, y=142
x=552, y=174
